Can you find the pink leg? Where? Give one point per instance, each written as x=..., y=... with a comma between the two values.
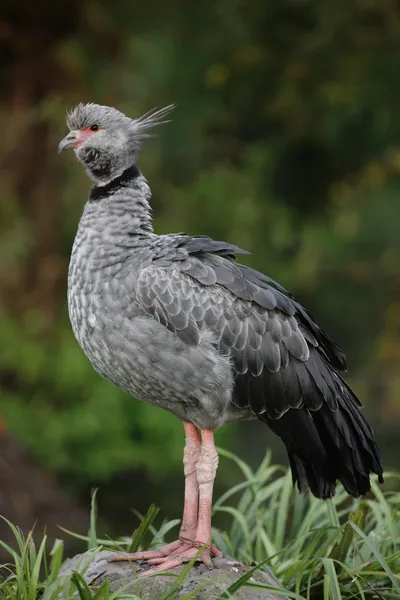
x=206, y=470
x=188, y=528
x=190, y=457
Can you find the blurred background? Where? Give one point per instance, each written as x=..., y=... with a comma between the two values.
x=285, y=141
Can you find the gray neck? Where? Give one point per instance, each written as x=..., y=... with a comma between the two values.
x=125, y=196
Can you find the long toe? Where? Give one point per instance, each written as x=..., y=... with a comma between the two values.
x=216, y=552
x=162, y=552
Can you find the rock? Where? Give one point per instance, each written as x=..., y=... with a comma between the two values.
x=96, y=568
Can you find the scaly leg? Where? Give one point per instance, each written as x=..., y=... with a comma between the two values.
x=188, y=528
x=206, y=470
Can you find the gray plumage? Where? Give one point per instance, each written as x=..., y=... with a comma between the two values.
x=174, y=321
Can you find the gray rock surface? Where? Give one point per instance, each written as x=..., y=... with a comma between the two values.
x=96, y=568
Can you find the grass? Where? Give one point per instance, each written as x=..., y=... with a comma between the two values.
x=342, y=549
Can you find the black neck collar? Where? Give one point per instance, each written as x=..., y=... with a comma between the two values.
x=99, y=192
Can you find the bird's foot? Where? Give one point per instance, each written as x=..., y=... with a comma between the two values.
x=185, y=553
x=172, y=555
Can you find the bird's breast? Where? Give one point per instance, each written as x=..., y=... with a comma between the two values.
x=100, y=289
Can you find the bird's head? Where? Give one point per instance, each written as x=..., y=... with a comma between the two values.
x=105, y=140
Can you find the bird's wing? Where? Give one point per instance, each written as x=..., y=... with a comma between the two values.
x=194, y=284
x=282, y=359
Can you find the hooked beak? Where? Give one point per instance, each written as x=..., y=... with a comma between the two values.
x=70, y=141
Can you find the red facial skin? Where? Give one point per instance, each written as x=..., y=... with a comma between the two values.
x=84, y=134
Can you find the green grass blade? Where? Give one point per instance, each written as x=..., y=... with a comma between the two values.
x=143, y=528
x=232, y=491
x=247, y=472
x=35, y=573
x=330, y=573
x=327, y=587
x=332, y=513
x=241, y=520
x=92, y=536
x=103, y=591
x=342, y=548
x=375, y=550
x=267, y=544
x=81, y=586
x=159, y=537
x=56, y=554
x=281, y=517
x=264, y=465
x=17, y=535
x=391, y=523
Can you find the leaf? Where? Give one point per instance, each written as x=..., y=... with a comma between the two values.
x=34, y=575
x=341, y=549
x=165, y=528
x=247, y=472
x=333, y=516
x=241, y=520
x=334, y=588
x=81, y=586
x=281, y=517
x=56, y=554
x=143, y=527
x=92, y=537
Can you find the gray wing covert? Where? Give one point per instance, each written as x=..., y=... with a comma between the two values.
x=256, y=327
x=177, y=302
x=188, y=306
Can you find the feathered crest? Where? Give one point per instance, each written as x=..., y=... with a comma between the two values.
x=151, y=119
x=85, y=115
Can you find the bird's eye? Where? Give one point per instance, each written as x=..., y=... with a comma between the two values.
x=94, y=128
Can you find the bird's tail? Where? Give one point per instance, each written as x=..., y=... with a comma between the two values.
x=326, y=445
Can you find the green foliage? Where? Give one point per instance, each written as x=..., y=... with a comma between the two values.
x=346, y=546
x=336, y=550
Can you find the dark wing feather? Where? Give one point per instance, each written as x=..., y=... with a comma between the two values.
x=285, y=364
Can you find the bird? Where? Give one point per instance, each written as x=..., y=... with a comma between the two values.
x=176, y=321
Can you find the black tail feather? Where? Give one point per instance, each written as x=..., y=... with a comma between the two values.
x=328, y=441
